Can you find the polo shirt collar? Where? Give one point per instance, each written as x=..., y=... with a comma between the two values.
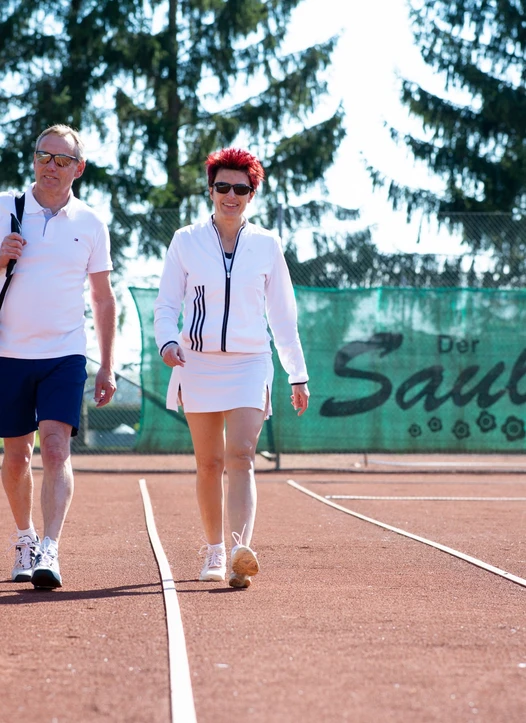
x=32, y=205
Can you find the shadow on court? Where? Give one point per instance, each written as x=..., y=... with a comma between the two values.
x=32, y=595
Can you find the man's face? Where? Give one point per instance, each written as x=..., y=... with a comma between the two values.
x=50, y=178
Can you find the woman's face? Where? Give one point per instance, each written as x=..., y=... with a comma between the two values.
x=229, y=205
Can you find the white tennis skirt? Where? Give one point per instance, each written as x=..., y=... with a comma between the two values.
x=217, y=382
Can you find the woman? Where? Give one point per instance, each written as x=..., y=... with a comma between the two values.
x=229, y=273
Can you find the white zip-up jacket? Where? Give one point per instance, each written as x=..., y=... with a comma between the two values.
x=224, y=310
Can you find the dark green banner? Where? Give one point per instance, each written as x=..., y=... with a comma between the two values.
x=392, y=370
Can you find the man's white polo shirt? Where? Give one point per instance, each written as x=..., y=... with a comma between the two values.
x=43, y=312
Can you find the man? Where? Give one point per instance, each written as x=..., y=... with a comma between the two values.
x=43, y=342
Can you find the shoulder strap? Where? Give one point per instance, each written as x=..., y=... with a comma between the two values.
x=20, y=202
x=16, y=226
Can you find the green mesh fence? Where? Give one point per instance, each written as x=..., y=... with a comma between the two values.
x=392, y=370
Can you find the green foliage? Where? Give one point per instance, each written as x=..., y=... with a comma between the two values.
x=352, y=261
x=163, y=72
x=476, y=146
x=474, y=130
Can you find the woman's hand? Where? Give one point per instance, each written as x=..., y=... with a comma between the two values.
x=173, y=355
x=300, y=398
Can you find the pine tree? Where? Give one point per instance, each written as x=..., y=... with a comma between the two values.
x=181, y=107
x=56, y=56
x=473, y=132
x=476, y=145
x=164, y=71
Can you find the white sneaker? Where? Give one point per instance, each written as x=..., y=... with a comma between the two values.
x=25, y=552
x=46, y=571
x=214, y=569
x=244, y=563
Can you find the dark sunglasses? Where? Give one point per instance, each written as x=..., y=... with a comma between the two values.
x=61, y=159
x=240, y=189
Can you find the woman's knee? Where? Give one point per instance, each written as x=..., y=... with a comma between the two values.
x=240, y=455
x=210, y=466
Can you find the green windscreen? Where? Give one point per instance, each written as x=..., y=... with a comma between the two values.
x=391, y=370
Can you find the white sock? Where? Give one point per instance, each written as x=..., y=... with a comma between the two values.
x=30, y=532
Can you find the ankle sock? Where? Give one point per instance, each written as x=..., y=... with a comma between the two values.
x=30, y=532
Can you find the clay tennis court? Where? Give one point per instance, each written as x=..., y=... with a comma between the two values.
x=348, y=620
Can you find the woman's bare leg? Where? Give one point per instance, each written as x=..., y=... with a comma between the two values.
x=208, y=438
x=243, y=427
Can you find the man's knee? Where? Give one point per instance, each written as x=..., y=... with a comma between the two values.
x=17, y=460
x=54, y=449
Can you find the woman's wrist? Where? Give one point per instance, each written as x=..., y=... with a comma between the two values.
x=165, y=346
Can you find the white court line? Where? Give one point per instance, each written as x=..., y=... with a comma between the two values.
x=181, y=696
x=431, y=543
x=438, y=465
x=433, y=499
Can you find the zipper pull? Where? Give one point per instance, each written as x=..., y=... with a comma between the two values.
x=228, y=274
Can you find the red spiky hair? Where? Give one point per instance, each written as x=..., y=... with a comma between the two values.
x=235, y=159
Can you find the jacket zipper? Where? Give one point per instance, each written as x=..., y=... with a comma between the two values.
x=227, y=283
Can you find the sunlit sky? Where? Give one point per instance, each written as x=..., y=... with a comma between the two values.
x=376, y=49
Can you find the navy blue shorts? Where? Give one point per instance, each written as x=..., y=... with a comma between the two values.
x=32, y=390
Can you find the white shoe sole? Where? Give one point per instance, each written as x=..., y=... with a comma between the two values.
x=244, y=566
x=245, y=562
x=239, y=581
x=212, y=576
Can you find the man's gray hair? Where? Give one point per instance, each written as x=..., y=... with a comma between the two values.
x=63, y=130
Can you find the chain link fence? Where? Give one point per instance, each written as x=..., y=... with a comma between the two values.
x=348, y=258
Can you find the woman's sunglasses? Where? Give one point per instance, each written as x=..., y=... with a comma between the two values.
x=240, y=189
x=61, y=159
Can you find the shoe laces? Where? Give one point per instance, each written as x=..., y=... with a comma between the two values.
x=215, y=557
x=238, y=538
x=24, y=547
x=47, y=556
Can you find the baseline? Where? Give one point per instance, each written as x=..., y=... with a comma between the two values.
x=181, y=696
x=427, y=499
x=449, y=550
x=440, y=465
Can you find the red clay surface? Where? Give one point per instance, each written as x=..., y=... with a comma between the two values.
x=345, y=622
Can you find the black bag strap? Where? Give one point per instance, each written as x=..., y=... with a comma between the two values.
x=16, y=227
x=20, y=202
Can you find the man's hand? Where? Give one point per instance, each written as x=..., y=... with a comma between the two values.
x=11, y=248
x=105, y=386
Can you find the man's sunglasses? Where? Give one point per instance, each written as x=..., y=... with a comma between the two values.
x=240, y=189
x=61, y=159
